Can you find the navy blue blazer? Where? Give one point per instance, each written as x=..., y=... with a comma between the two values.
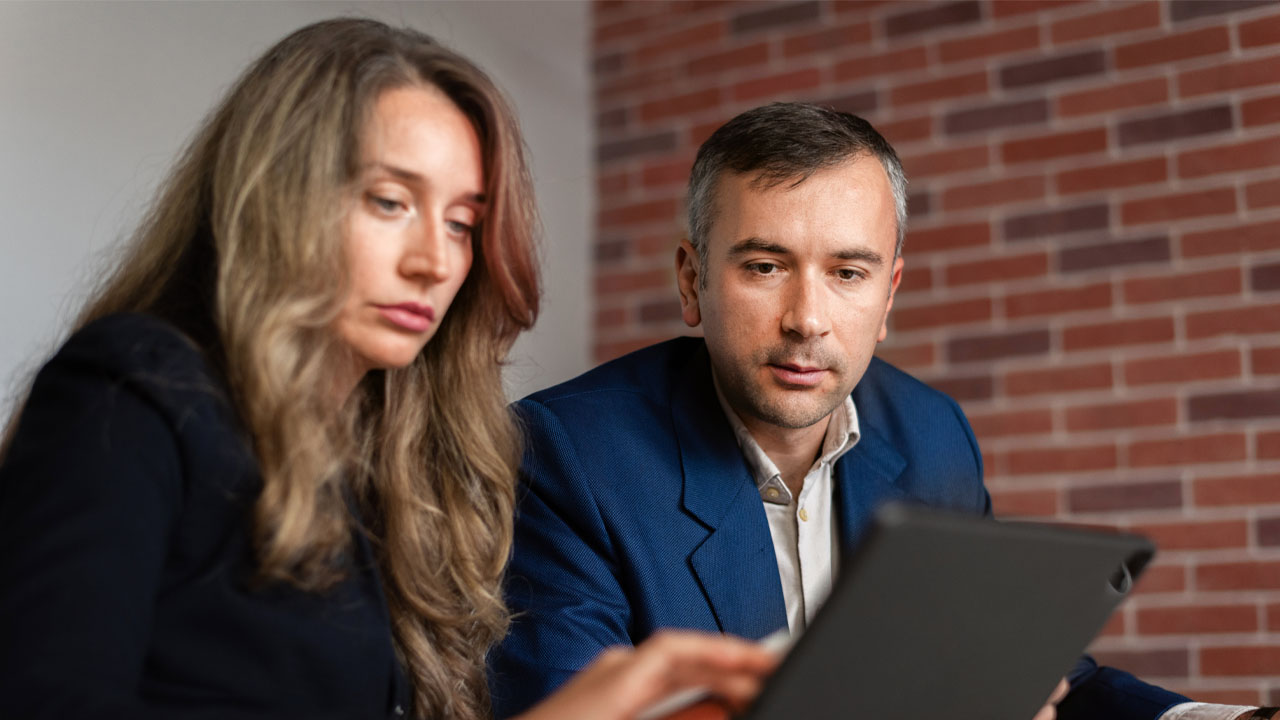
x=637, y=510
x=127, y=585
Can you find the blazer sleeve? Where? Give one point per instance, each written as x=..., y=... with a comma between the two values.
x=89, y=492
x=562, y=585
x=1105, y=692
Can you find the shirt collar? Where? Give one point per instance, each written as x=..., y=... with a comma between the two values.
x=842, y=434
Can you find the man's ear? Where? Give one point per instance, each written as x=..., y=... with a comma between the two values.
x=893, y=288
x=688, y=274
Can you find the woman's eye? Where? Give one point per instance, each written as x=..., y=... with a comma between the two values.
x=460, y=228
x=387, y=206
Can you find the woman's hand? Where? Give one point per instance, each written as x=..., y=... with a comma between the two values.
x=623, y=681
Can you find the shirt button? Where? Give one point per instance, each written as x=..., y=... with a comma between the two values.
x=804, y=514
x=772, y=493
x=399, y=711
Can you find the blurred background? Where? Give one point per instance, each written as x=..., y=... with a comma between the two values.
x=1092, y=267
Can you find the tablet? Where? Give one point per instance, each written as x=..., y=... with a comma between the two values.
x=937, y=614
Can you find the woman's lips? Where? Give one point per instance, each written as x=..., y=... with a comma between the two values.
x=410, y=316
x=798, y=374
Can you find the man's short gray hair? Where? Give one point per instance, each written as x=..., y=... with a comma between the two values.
x=784, y=142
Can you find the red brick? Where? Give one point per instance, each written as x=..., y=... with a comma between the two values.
x=998, y=192
x=1265, y=360
x=612, y=282
x=1126, y=173
x=1024, y=503
x=1062, y=460
x=1269, y=446
x=989, y=44
x=1114, y=497
x=1139, y=93
x=1243, y=490
x=1173, y=47
x=1009, y=9
x=651, y=211
x=911, y=356
x=706, y=34
x=1047, y=147
x=898, y=132
x=1058, y=380
x=1184, y=620
x=610, y=318
x=1232, y=240
x=1230, y=158
x=1182, y=368
x=1211, y=535
x=1058, y=221
x=606, y=351
x=1263, y=194
x=699, y=133
x=997, y=269
x=1145, y=663
x=1179, y=206
x=947, y=161
x=664, y=174
x=974, y=83
x=1109, y=22
x=618, y=87
x=829, y=39
x=1140, y=290
x=624, y=28
x=1273, y=616
x=1238, y=576
x=1263, y=31
x=1259, y=319
x=993, y=346
x=1229, y=76
x=1117, y=333
x=1260, y=111
x=782, y=84
x=1018, y=422
x=1112, y=416
x=1189, y=450
x=680, y=105
x=941, y=314
x=1162, y=579
x=736, y=59
x=947, y=237
x=1240, y=660
x=613, y=183
x=876, y=65
x=1062, y=300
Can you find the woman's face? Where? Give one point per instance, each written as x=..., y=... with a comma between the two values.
x=420, y=193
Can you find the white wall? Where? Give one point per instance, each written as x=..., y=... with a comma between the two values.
x=96, y=98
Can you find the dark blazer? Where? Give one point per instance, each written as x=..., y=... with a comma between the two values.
x=638, y=511
x=126, y=571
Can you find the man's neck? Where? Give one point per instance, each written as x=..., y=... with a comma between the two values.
x=792, y=450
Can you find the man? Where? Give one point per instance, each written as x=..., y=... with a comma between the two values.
x=713, y=483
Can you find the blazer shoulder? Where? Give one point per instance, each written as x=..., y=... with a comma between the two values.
x=883, y=384
x=650, y=372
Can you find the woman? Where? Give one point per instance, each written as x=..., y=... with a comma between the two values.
x=269, y=475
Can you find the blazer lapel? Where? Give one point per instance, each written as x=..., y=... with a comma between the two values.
x=865, y=479
x=735, y=564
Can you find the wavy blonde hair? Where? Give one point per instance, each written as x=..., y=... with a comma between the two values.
x=241, y=250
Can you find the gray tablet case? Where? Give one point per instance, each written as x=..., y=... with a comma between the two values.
x=941, y=615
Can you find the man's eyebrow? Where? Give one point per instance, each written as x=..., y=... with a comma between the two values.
x=416, y=179
x=863, y=254
x=755, y=244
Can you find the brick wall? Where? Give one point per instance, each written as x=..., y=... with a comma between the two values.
x=1092, y=270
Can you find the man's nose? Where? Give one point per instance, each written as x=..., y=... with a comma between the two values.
x=806, y=313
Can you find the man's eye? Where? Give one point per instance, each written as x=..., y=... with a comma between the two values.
x=762, y=268
x=849, y=274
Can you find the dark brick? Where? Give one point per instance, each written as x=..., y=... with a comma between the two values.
x=978, y=387
x=783, y=14
x=1269, y=531
x=1182, y=10
x=611, y=250
x=862, y=102
x=606, y=64
x=916, y=21
x=1176, y=125
x=660, y=311
x=1143, y=663
x=919, y=203
x=612, y=119
x=1265, y=277
x=1000, y=115
x=1057, y=222
x=990, y=347
x=1114, y=253
x=642, y=145
x=1062, y=67
x=1234, y=406
x=1142, y=496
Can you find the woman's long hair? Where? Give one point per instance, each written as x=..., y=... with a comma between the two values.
x=241, y=250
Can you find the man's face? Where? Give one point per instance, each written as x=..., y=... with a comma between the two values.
x=794, y=290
